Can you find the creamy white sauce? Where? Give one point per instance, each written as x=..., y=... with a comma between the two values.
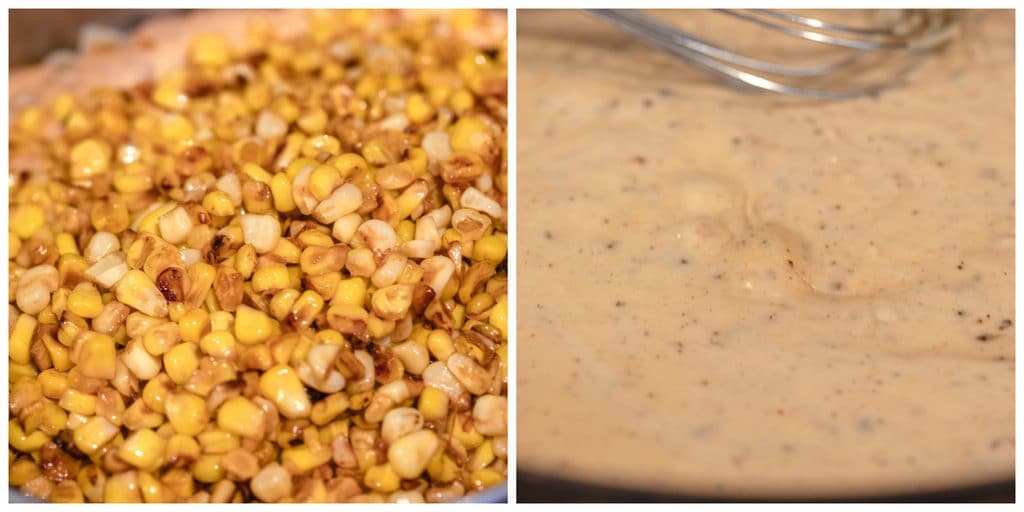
x=744, y=294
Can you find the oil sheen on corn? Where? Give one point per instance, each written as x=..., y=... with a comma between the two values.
x=725, y=293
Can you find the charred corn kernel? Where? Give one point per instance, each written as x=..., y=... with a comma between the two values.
x=180, y=362
x=150, y=488
x=245, y=260
x=85, y=301
x=194, y=325
x=23, y=442
x=433, y=404
x=137, y=290
x=270, y=278
x=143, y=449
x=49, y=419
x=207, y=469
x=239, y=416
x=220, y=344
x=490, y=248
x=97, y=355
x=26, y=220
x=418, y=109
x=209, y=50
x=351, y=292
x=187, y=413
x=382, y=478
x=21, y=338
x=218, y=441
x=95, y=433
x=329, y=408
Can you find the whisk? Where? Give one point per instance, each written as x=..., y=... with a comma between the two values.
x=899, y=44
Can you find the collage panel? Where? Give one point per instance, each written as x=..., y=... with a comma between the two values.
x=765, y=255
x=258, y=256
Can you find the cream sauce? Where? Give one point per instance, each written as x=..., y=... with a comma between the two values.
x=741, y=294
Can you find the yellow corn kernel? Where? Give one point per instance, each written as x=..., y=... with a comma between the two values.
x=218, y=441
x=194, y=325
x=26, y=220
x=66, y=244
x=85, y=301
x=257, y=173
x=245, y=260
x=207, y=469
x=329, y=408
x=179, y=483
x=440, y=344
x=53, y=383
x=97, y=355
x=23, y=442
x=219, y=344
x=219, y=203
x=498, y=316
x=382, y=478
x=442, y=468
x=282, y=302
x=471, y=439
x=151, y=489
x=21, y=338
x=482, y=456
x=351, y=292
x=209, y=50
x=433, y=404
x=13, y=245
x=315, y=239
x=187, y=413
x=155, y=393
x=281, y=385
x=73, y=400
x=318, y=145
x=303, y=458
x=270, y=278
x=490, y=248
x=238, y=415
x=22, y=471
x=221, y=321
x=144, y=449
x=95, y=433
x=159, y=339
x=349, y=163
x=182, y=448
x=181, y=362
x=177, y=130
x=281, y=189
x=461, y=101
x=169, y=92
x=406, y=230
x=418, y=109
x=458, y=316
x=49, y=419
x=89, y=159
x=483, y=478
x=313, y=122
x=252, y=325
x=322, y=181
